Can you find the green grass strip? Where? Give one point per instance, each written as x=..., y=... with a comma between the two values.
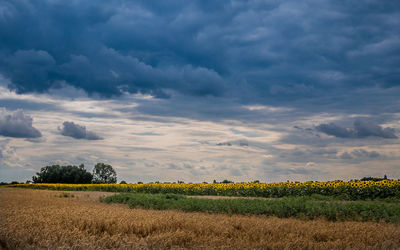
x=299, y=207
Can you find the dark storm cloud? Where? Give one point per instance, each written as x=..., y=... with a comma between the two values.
x=17, y=124
x=78, y=132
x=362, y=129
x=250, y=49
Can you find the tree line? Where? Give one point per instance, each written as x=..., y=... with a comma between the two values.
x=102, y=173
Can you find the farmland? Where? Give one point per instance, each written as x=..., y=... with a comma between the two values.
x=71, y=219
x=346, y=190
x=307, y=207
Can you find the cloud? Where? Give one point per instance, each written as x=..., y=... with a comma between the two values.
x=175, y=167
x=290, y=171
x=365, y=153
x=241, y=143
x=232, y=69
x=17, y=124
x=9, y=156
x=78, y=132
x=235, y=172
x=346, y=156
x=359, y=154
x=335, y=130
x=307, y=154
x=249, y=50
x=362, y=129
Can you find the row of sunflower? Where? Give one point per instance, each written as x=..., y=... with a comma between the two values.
x=346, y=189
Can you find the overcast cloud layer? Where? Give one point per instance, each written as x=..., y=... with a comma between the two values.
x=201, y=90
x=267, y=48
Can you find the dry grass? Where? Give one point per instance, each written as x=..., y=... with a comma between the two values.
x=31, y=219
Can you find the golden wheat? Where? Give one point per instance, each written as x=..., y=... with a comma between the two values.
x=32, y=219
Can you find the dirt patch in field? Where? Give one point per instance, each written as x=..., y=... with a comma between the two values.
x=82, y=195
x=32, y=219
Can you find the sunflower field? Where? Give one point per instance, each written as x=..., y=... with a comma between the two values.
x=351, y=190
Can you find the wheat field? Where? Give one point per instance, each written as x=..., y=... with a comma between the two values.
x=32, y=219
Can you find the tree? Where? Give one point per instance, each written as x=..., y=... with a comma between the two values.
x=373, y=178
x=227, y=181
x=63, y=174
x=104, y=173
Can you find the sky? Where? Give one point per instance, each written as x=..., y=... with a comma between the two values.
x=201, y=90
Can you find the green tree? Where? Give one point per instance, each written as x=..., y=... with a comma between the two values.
x=227, y=181
x=104, y=173
x=63, y=174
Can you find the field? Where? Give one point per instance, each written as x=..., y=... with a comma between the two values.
x=346, y=190
x=305, y=207
x=70, y=219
